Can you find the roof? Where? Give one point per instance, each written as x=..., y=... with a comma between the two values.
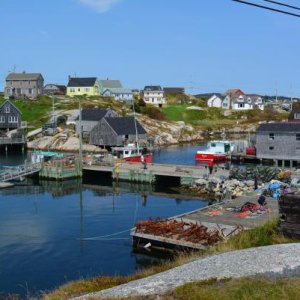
x=82, y=81
x=174, y=90
x=7, y=101
x=119, y=91
x=234, y=92
x=108, y=84
x=93, y=114
x=279, y=127
x=24, y=76
x=59, y=86
x=152, y=88
x=125, y=125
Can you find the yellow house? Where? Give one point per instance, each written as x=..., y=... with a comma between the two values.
x=83, y=86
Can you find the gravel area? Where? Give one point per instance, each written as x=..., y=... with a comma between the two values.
x=270, y=260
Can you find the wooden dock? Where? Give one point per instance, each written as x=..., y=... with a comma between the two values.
x=134, y=172
x=215, y=217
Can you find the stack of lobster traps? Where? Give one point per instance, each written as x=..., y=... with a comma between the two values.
x=289, y=209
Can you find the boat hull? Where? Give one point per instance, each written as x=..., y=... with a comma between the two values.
x=148, y=158
x=211, y=157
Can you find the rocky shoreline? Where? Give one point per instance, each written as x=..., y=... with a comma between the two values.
x=162, y=134
x=217, y=189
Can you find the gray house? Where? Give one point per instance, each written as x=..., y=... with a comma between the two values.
x=55, y=89
x=91, y=117
x=279, y=142
x=109, y=84
x=119, y=94
x=24, y=85
x=117, y=132
x=10, y=116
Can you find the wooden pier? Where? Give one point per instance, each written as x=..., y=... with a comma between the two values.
x=215, y=217
x=134, y=172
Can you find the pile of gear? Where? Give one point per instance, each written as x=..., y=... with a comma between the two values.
x=179, y=230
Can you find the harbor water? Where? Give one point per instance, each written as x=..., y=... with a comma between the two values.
x=55, y=232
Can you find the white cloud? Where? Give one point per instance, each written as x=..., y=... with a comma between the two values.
x=100, y=6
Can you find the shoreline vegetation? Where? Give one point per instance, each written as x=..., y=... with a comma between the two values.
x=190, y=121
x=264, y=235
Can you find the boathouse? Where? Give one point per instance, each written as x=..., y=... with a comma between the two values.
x=112, y=132
x=10, y=116
x=90, y=118
x=279, y=142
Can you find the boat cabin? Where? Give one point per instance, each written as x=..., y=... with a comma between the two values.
x=126, y=151
x=219, y=147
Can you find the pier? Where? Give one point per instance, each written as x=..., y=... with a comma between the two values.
x=218, y=217
x=134, y=172
x=13, y=173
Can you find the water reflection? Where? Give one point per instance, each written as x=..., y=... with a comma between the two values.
x=53, y=232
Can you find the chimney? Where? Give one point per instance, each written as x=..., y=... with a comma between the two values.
x=69, y=77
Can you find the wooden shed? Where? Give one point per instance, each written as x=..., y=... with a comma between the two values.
x=112, y=132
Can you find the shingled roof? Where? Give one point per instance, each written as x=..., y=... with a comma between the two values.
x=125, y=125
x=24, y=76
x=279, y=127
x=93, y=114
x=82, y=81
x=110, y=84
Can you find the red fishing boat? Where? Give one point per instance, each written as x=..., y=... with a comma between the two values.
x=132, y=153
x=216, y=151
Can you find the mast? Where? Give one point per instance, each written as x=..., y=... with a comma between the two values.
x=136, y=131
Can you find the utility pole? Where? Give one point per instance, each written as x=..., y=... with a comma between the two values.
x=53, y=110
x=80, y=134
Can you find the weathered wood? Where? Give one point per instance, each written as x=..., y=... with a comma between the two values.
x=289, y=208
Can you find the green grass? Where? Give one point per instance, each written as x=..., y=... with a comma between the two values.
x=239, y=289
x=260, y=236
x=37, y=113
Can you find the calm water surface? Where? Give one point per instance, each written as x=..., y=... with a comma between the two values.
x=51, y=233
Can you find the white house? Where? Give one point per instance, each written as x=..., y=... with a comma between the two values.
x=245, y=102
x=154, y=95
x=120, y=94
x=215, y=101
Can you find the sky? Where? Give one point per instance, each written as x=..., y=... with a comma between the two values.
x=202, y=45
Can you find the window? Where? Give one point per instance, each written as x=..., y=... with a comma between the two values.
x=7, y=109
x=271, y=148
x=2, y=119
x=78, y=89
x=271, y=136
x=298, y=150
x=85, y=89
x=13, y=119
x=30, y=91
x=297, y=136
x=72, y=90
x=240, y=105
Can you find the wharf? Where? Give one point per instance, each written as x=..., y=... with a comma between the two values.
x=135, y=172
x=215, y=217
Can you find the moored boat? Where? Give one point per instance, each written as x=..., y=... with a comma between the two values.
x=217, y=151
x=132, y=153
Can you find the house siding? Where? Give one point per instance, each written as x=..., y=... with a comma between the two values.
x=286, y=146
x=24, y=88
x=7, y=117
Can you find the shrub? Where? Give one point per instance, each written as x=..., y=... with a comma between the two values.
x=153, y=113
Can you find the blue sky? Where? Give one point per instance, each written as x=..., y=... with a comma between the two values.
x=203, y=45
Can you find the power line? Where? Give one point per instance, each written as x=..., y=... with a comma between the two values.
x=282, y=4
x=267, y=8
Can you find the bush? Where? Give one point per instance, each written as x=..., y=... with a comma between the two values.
x=153, y=113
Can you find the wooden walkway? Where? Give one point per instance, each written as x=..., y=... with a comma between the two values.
x=220, y=216
x=13, y=173
x=136, y=173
